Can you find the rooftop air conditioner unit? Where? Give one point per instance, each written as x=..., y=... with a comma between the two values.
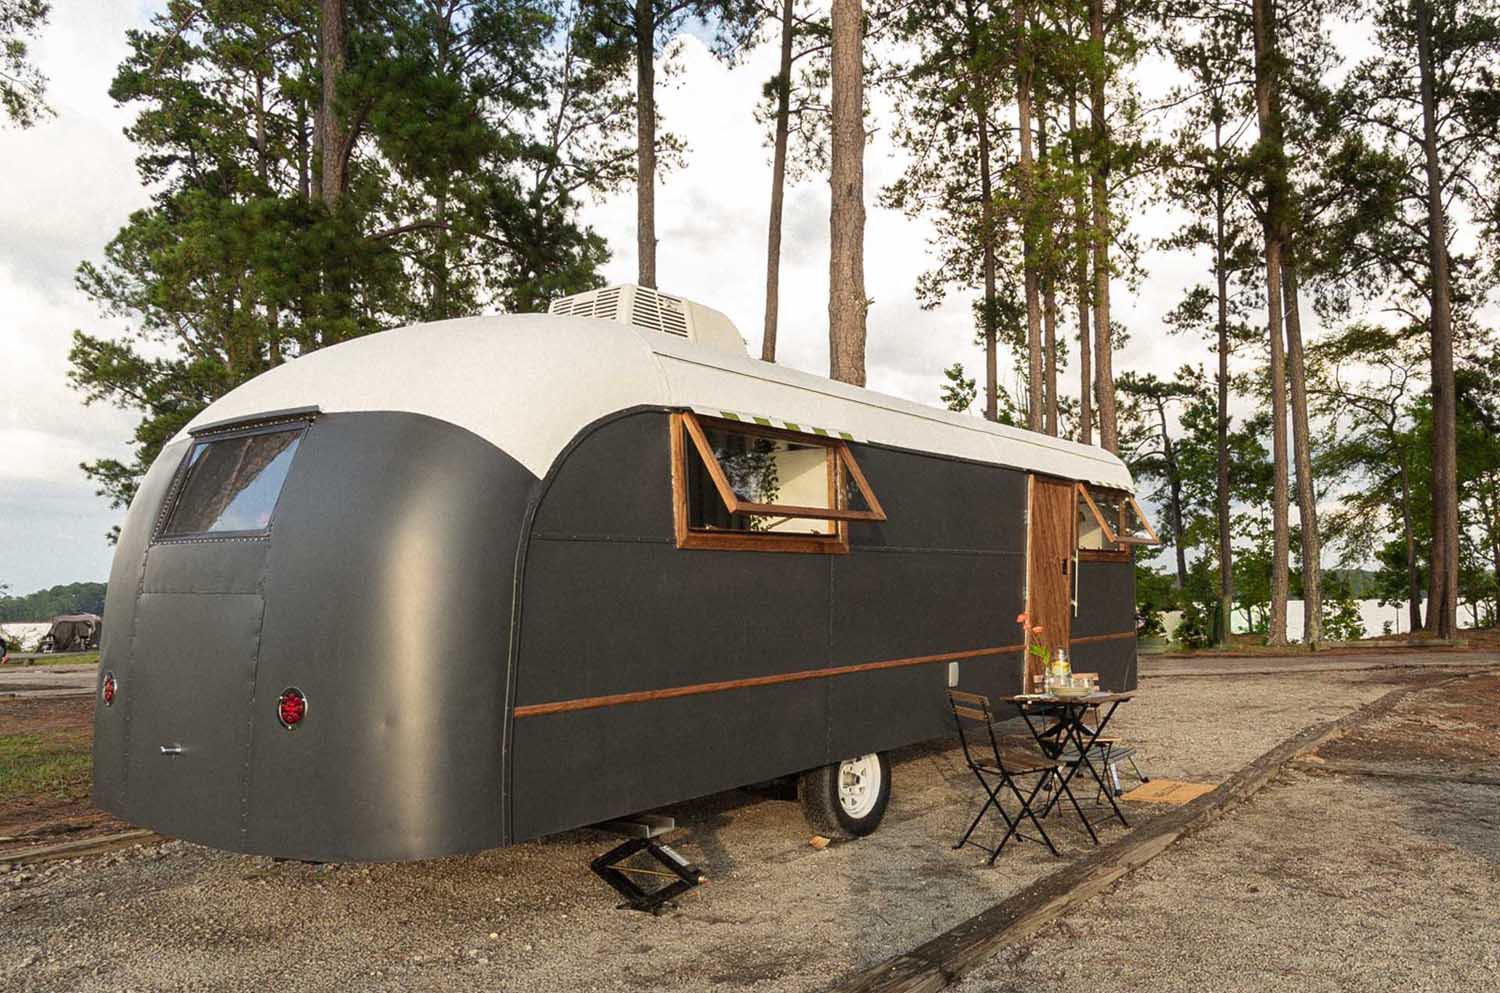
x=655, y=311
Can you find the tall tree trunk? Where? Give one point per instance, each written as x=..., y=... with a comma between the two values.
x=1085, y=299
x=333, y=55
x=440, y=269
x=778, y=184
x=1174, y=495
x=1413, y=574
x=1307, y=493
x=1049, y=288
x=1028, y=220
x=1492, y=524
x=1104, y=379
x=987, y=224
x=846, y=267
x=1224, y=619
x=304, y=153
x=645, y=142
x=1442, y=604
x=1265, y=96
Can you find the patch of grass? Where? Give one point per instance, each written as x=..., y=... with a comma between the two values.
x=87, y=658
x=36, y=763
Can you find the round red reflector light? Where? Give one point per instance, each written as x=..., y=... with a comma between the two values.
x=110, y=686
x=291, y=707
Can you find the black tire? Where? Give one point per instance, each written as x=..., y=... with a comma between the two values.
x=818, y=790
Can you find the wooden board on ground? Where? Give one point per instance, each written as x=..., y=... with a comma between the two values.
x=96, y=845
x=1169, y=791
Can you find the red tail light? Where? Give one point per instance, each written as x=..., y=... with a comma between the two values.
x=109, y=689
x=291, y=707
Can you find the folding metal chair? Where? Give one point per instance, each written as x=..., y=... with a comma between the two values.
x=999, y=773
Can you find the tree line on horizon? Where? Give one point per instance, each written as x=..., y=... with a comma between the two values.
x=323, y=170
x=43, y=605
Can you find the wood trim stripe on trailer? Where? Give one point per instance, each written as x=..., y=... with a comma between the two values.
x=672, y=692
x=1100, y=637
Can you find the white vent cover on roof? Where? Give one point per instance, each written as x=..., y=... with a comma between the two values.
x=655, y=311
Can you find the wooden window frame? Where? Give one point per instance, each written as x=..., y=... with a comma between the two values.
x=687, y=428
x=1111, y=534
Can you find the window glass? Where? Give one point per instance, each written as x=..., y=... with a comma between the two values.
x=1090, y=534
x=759, y=470
x=1118, y=512
x=232, y=484
x=851, y=497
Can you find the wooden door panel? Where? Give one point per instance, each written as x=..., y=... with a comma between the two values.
x=1049, y=579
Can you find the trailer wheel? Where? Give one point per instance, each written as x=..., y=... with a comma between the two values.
x=846, y=799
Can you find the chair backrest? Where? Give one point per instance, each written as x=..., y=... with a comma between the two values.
x=970, y=709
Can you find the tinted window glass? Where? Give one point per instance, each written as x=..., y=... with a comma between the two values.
x=233, y=484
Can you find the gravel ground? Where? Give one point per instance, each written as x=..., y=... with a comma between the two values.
x=1324, y=881
x=1318, y=883
x=776, y=913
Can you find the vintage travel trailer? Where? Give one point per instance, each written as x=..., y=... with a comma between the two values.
x=468, y=583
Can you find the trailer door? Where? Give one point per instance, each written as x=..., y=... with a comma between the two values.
x=1050, y=564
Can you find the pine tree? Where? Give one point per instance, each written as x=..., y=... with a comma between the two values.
x=252, y=252
x=625, y=37
x=22, y=87
x=797, y=114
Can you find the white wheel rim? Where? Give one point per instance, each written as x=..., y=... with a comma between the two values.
x=859, y=785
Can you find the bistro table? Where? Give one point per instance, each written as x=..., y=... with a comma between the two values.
x=1071, y=741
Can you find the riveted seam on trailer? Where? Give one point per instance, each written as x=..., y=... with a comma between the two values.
x=518, y=591
x=290, y=415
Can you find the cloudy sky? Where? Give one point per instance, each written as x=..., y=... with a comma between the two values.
x=68, y=184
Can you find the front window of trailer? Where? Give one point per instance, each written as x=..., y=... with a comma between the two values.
x=750, y=481
x=232, y=485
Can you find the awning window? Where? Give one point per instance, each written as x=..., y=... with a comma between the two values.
x=1111, y=520
x=751, y=480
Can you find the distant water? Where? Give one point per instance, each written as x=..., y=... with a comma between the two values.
x=1374, y=616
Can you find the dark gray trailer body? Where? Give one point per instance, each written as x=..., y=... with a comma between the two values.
x=491, y=654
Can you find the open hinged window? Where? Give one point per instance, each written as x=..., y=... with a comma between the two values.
x=1111, y=521
x=749, y=487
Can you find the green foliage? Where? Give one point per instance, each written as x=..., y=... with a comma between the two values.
x=959, y=391
x=22, y=87
x=1153, y=597
x=806, y=87
x=1341, y=619
x=1195, y=629
x=74, y=598
x=474, y=137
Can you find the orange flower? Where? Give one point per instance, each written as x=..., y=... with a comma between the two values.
x=1037, y=629
x=1021, y=618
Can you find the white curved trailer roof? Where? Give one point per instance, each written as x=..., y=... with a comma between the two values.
x=528, y=383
